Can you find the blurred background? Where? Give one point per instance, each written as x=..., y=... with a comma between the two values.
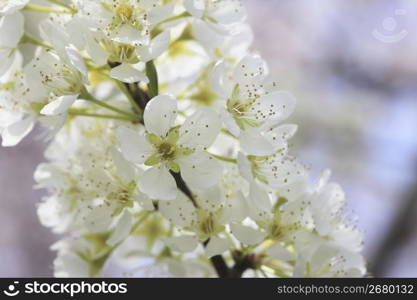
x=353, y=68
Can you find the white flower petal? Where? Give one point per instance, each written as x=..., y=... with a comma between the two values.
x=6, y=61
x=201, y=129
x=125, y=170
x=210, y=199
x=219, y=80
x=285, y=173
x=51, y=213
x=230, y=123
x=96, y=52
x=59, y=106
x=260, y=197
x=127, y=73
x=14, y=133
x=210, y=35
x=245, y=167
x=9, y=7
x=195, y=7
x=184, y=243
x=134, y=146
x=122, y=229
x=246, y=234
x=251, y=69
x=236, y=209
x=158, y=184
x=70, y=264
x=161, y=13
x=228, y=12
x=217, y=246
x=276, y=106
x=279, y=252
x=54, y=34
x=11, y=28
x=253, y=142
x=76, y=29
x=160, y=115
x=98, y=218
x=8, y=117
x=144, y=201
x=53, y=123
x=279, y=136
x=76, y=60
x=200, y=170
x=180, y=212
x=157, y=46
x=126, y=34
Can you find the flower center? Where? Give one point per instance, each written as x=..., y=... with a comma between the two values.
x=122, y=196
x=65, y=81
x=239, y=109
x=119, y=52
x=167, y=151
x=275, y=231
x=125, y=12
x=208, y=225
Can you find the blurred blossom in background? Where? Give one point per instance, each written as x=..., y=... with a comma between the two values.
x=353, y=67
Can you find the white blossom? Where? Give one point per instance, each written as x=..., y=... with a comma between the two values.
x=167, y=147
x=8, y=7
x=12, y=30
x=161, y=184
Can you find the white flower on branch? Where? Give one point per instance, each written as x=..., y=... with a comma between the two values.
x=200, y=184
x=167, y=147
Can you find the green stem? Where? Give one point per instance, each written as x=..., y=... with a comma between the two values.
x=43, y=9
x=158, y=30
x=174, y=18
x=122, y=87
x=227, y=132
x=27, y=39
x=223, y=158
x=74, y=112
x=87, y=96
x=140, y=221
x=62, y=4
x=129, y=96
x=153, y=89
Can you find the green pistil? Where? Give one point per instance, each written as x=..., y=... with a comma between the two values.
x=166, y=150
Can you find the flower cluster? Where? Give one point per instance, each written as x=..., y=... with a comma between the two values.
x=169, y=147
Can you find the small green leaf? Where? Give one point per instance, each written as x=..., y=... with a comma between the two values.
x=261, y=178
x=154, y=139
x=173, y=166
x=37, y=106
x=187, y=151
x=252, y=123
x=173, y=135
x=153, y=160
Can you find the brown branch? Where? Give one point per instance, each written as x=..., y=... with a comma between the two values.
x=220, y=266
x=242, y=263
x=183, y=187
x=140, y=96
